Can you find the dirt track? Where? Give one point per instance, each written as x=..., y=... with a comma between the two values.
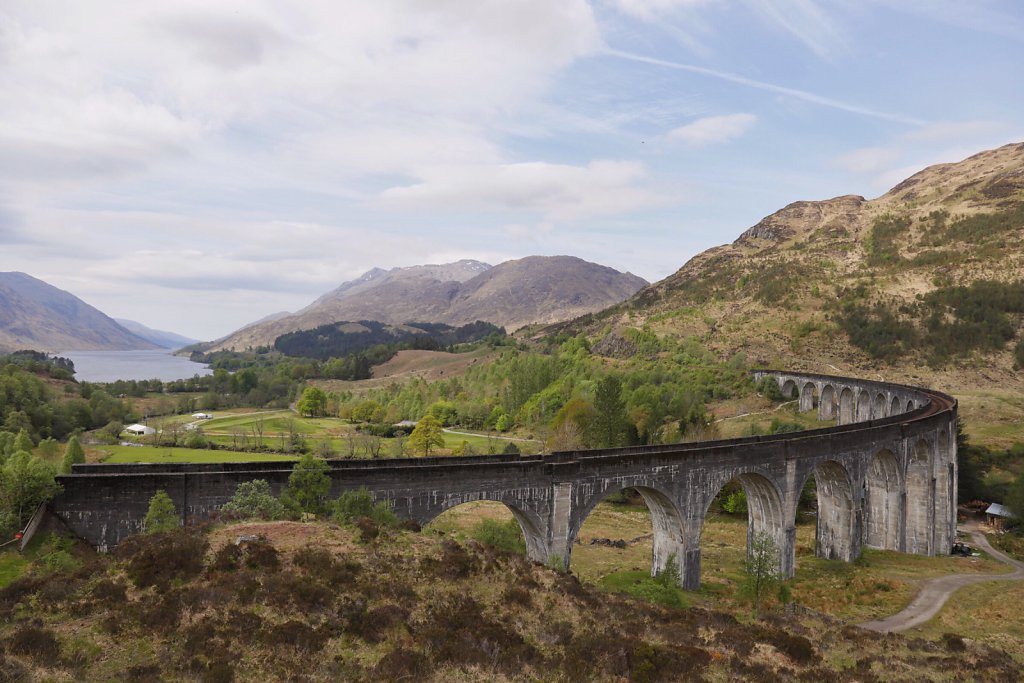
x=935, y=592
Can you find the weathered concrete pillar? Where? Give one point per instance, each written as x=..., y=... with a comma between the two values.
x=791, y=499
x=668, y=530
x=827, y=403
x=690, y=566
x=807, y=397
x=838, y=532
x=920, y=501
x=559, y=542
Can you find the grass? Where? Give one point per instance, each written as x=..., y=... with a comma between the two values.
x=12, y=565
x=992, y=418
x=987, y=612
x=152, y=454
x=880, y=584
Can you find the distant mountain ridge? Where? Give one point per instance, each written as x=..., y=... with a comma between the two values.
x=162, y=338
x=36, y=315
x=535, y=289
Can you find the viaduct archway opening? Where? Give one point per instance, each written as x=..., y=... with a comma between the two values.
x=883, y=487
x=493, y=522
x=847, y=412
x=809, y=397
x=751, y=498
x=632, y=529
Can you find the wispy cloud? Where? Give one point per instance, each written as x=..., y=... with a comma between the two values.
x=802, y=95
x=713, y=129
x=908, y=153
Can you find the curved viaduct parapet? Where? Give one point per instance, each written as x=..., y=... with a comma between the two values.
x=887, y=480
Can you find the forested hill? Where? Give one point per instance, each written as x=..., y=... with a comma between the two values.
x=344, y=338
x=925, y=283
x=535, y=289
x=37, y=315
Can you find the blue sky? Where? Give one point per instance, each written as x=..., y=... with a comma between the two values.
x=197, y=165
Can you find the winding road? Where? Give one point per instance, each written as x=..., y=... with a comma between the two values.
x=935, y=592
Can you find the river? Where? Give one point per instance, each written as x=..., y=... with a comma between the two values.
x=109, y=366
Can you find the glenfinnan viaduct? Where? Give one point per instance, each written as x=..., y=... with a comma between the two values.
x=886, y=477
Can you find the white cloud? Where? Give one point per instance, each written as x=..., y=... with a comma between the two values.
x=558, y=192
x=946, y=141
x=713, y=129
x=650, y=9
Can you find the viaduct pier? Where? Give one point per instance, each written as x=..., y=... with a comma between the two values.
x=886, y=476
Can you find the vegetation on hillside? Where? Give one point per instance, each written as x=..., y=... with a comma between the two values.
x=342, y=339
x=189, y=605
x=952, y=320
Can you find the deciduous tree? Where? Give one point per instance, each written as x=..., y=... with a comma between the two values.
x=427, y=435
x=309, y=483
x=313, y=402
x=73, y=454
x=162, y=515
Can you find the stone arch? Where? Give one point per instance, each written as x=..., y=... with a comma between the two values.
x=536, y=539
x=920, y=494
x=827, y=403
x=765, y=514
x=666, y=523
x=790, y=390
x=882, y=488
x=837, y=536
x=808, y=397
x=895, y=408
x=863, y=406
x=846, y=406
x=910, y=405
x=879, y=406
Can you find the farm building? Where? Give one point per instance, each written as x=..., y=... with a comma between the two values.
x=999, y=516
x=139, y=430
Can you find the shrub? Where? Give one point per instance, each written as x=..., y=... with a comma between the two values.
x=354, y=504
x=38, y=643
x=260, y=554
x=321, y=563
x=401, y=664
x=1018, y=354
x=253, y=499
x=297, y=635
x=157, y=559
x=162, y=515
x=507, y=535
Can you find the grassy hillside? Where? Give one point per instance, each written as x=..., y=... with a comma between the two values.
x=315, y=602
x=923, y=284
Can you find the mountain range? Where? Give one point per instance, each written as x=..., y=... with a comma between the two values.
x=36, y=315
x=535, y=289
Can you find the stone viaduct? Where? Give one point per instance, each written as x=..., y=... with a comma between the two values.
x=886, y=477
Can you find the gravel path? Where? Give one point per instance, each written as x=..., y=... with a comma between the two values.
x=935, y=592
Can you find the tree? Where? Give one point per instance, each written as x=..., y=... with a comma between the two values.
x=254, y=499
x=313, y=402
x=26, y=482
x=352, y=505
x=73, y=454
x=308, y=484
x=427, y=435
x=23, y=442
x=162, y=515
x=609, y=421
x=761, y=566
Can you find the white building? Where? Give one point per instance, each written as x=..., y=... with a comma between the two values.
x=139, y=430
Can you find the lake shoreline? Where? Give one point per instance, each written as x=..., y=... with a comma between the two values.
x=139, y=364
